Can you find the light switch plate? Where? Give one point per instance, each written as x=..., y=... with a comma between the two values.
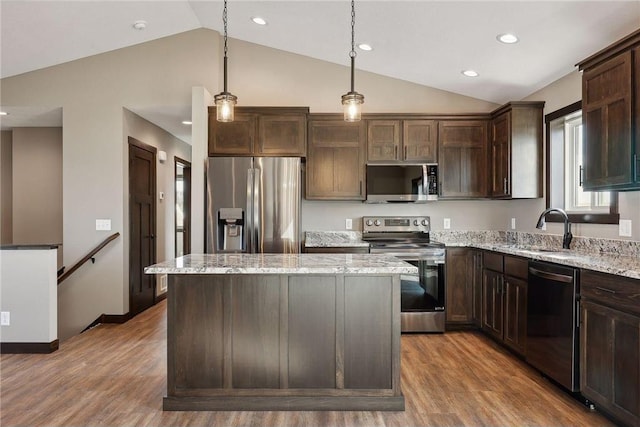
x=624, y=228
x=513, y=223
x=5, y=318
x=348, y=224
x=447, y=223
x=103, y=225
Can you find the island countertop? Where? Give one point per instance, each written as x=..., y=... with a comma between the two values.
x=283, y=264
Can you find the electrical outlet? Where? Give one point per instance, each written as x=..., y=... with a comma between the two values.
x=624, y=228
x=447, y=223
x=5, y=318
x=163, y=283
x=103, y=224
x=513, y=223
x=348, y=224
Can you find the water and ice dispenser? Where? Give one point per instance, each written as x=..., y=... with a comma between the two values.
x=231, y=230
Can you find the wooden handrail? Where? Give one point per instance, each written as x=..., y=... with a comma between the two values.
x=87, y=257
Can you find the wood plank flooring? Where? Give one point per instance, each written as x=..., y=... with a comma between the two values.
x=114, y=375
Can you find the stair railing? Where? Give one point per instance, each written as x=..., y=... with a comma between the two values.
x=87, y=257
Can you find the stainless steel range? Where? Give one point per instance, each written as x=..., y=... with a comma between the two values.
x=422, y=301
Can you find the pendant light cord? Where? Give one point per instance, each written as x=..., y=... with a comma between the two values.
x=224, y=21
x=353, y=53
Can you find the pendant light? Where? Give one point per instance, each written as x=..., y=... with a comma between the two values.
x=352, y=101
x=225, y=101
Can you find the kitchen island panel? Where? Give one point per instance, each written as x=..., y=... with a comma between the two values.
x=195, y=354
x=312, y=332
x=255, y=330
x=367, y=332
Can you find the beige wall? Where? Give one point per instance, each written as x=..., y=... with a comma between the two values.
x=37, y=185
x=6, y=193
x=563, y=92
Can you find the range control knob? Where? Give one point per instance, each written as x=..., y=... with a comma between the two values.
x=415, y=222
x=425, y=222
x=378, y=223
x=369, y=222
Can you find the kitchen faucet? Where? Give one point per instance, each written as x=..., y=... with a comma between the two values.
x=566, y=239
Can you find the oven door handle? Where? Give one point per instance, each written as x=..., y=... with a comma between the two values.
x=551, y=276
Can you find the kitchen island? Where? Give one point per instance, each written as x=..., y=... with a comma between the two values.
x=283, y=332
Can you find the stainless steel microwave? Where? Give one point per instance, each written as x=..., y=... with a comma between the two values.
x=417, y=183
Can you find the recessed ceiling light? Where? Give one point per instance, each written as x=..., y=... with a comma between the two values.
x=365, y=46
x=3, y=113
x=507, y=38
x=470, y=73
x=140, y=25
x=258, y=20
x=186, y=122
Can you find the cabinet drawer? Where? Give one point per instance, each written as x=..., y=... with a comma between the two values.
x=493, y=261
x=516, y=267
x=618, y=292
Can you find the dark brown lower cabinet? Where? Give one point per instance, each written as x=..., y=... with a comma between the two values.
x=610, y=345
x=504, y=299
x=463, y=287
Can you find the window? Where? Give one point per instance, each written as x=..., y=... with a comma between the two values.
x=564, y=171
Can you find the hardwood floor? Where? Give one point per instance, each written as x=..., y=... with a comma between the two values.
x=114, y=375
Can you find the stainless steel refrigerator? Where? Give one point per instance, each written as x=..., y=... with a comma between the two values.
x=253, y=205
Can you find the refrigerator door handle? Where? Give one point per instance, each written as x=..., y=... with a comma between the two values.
x=249, y=213
x=257, y=210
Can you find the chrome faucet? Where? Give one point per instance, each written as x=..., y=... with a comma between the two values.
x=566, y=239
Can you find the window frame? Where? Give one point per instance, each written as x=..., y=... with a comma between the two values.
x=613, y=217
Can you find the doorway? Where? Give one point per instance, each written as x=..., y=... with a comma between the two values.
x=142, y=225
x=183, y=206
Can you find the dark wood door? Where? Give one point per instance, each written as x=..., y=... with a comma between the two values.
x=492, y=303
x=183, y=207
x=501, y=156
x=420, y=140
x=459, y=291
x=335, y=160
x=462, y=159
x=142, y=225
x=607, y=105
x=383, y=140
x=282, y=135
x=515, y=313
x=236, y=138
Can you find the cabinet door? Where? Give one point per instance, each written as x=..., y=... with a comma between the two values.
x=281, y=135
x=462, y=159
x=606, y=102
x=492, y=303
x=235, y=138
x=610, y=360
x=515, y=313
x=459, y=291
x=383, y=140
x=420, y=140
x=500, y=155
x=335, y=161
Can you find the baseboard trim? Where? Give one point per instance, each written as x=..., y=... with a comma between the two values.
x=161, y=297
x=29, y=347
x=109, y=318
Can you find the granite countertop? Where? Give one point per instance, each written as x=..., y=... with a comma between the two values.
x=334, y=239
x=283, y=264
x=621, y=265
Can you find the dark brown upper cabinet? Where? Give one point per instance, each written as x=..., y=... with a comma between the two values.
x=462, y=159
x=611, y=117
x=336, y=159
x=260, y=131
x=516, y=151
x=410, y=140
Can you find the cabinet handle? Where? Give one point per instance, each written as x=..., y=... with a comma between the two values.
x=577, y=314
x=611, y=291
x=360, y=187
x=395, y=151
x=405, y=152
x=635, y=167
x=580, y=176
x=505, y=186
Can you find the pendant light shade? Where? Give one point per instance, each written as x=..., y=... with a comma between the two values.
x=352, y=101
x=225, y=101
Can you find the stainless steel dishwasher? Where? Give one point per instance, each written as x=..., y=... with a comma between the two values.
x=552, y=322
